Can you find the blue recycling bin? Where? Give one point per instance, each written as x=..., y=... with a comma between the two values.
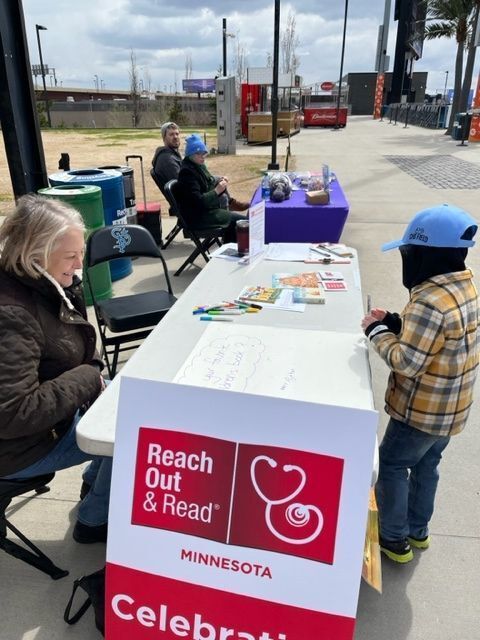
x=113, y=197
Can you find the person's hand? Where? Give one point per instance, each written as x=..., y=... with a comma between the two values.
x=378, y=314
x=375, y=315
x=221, y=186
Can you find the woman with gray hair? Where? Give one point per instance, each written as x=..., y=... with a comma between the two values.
x=50, y=370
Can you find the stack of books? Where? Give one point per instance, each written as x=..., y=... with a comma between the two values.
x=306, y=286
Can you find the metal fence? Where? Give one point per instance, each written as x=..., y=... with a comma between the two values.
x=430, y=116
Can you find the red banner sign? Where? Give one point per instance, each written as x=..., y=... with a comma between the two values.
x=327, y=86
x=378, y=103
x=475, y=125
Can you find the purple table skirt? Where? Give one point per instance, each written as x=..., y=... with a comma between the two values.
x=294, y=220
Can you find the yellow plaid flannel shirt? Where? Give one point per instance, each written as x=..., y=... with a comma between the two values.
x=434, y=359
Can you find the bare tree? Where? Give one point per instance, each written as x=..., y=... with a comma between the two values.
x=134, y=89
x=288, y=44
x=188, y=66
x=241, y=64
x=269, y=59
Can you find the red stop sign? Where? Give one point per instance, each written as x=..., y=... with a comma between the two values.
x=327, y=86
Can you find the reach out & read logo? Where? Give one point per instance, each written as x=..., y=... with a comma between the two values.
x=258, y=496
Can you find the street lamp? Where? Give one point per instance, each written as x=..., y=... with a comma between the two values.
x=95, y=79
x=38, y=28
x=445, y=89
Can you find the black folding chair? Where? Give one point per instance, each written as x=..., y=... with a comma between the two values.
x=134, y=316
x=30, y=554
x=203, y=239
x=173, y=212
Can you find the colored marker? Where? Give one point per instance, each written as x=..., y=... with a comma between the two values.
x=215, y=319
x=249, y=304
x=226, y=312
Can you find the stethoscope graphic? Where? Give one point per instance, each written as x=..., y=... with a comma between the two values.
x=296, y=514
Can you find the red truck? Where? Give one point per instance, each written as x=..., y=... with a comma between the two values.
x=324, y=116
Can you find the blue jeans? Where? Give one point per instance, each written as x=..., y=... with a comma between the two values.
x=406, y=500
x=93, y=510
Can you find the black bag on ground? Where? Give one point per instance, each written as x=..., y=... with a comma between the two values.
x=94, y=586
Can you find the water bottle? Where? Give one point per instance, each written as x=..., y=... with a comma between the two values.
x=265, y=188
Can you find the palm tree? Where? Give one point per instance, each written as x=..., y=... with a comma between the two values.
x=472, y=50
x=452, y=19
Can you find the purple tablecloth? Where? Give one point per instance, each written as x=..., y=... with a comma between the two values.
x=294, y=220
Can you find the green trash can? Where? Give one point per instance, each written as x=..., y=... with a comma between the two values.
x=87, y=200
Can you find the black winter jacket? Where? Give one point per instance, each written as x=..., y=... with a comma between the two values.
x=166, y=164
x=49, y=367
x=197, y=198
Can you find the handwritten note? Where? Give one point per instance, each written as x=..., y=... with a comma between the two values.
x=316, y=366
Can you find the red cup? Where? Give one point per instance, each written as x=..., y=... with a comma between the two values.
x=242, y=237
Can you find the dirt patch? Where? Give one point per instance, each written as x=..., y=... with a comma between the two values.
x=91, y=148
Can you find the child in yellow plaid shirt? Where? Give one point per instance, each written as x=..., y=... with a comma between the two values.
x=432, y=352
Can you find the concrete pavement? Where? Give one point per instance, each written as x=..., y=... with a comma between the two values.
x=436, y=597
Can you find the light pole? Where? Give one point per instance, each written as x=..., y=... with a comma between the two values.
x=95, y=79
x=38, y=28
x=225, y=35
x=445, y=89
x=273, y=165
x=336, y=127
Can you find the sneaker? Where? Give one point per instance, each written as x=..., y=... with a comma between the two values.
x=399, y=551
x=84, y=534
x=419, y=543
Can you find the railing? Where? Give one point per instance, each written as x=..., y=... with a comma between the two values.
x=431, y=116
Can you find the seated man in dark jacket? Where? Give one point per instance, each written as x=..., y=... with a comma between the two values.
x=167, y=160
x=202, y=198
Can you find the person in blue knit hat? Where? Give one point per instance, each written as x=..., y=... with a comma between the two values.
x=203, y=199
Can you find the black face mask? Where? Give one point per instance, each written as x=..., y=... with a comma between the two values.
x=421, y=263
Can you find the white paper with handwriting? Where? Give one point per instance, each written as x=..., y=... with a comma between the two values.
x=314, y=366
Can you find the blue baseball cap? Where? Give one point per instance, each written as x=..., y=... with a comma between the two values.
x=441, y=226
x=195, y=145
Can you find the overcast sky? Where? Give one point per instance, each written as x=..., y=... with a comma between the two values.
x=95, y=37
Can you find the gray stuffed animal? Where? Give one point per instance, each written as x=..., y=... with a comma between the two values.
x=280, y=187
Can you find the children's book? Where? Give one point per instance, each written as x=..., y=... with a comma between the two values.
x=310, y=279
x=309, y=295
x=264, y=295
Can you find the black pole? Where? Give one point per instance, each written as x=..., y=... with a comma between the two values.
x=274, y=106
x=224, y=41
x=341, y=65
x=39, y=28
x=20, y=130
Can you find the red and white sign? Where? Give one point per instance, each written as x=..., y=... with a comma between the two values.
x=327, y=86
x=324, y=116
x=213, y=489
x=235, y=517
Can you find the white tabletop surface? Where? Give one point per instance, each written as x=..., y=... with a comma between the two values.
x=170, y=343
